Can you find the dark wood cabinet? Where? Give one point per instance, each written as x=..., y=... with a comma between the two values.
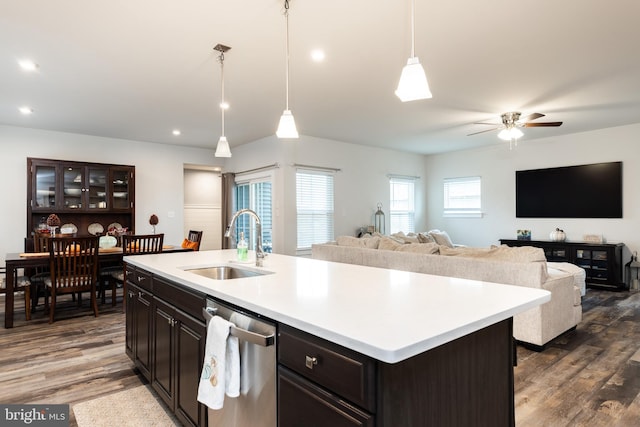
x=468, y=381
x=602, y=262
x=165, y=328
x=80, y=193
x=138, y=328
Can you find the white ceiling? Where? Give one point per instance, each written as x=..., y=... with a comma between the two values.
x=138, y=69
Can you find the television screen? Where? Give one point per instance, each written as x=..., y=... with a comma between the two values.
x=585, y=191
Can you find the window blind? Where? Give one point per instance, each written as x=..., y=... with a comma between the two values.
x=314, y=206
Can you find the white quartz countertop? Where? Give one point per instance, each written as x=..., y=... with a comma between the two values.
x=389, y=315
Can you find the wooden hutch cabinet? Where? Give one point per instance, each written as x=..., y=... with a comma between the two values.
x=80, y=194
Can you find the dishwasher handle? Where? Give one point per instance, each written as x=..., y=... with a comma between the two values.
x=243, y=334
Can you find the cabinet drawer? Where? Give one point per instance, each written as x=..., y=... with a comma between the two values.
x=191, y=302
x=303, y=403
x=345, y=372
x=138, y=277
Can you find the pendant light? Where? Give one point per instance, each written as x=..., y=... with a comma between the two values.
x=287, y=125
x=413, y=81
x=222, y=150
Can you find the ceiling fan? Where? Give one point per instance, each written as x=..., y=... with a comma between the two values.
x=511, y=121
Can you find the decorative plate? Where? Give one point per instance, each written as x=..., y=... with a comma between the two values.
x=95, y=228
x=114, y=226
x=68, y=229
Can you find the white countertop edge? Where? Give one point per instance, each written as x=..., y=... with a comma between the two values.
x=381, y=354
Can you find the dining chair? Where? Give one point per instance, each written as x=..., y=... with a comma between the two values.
x=40, y=244
x=73, y=268
x=20, y=284
x=131, y=245
x=193, y=240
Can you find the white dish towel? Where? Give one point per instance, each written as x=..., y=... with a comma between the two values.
x=221, y=366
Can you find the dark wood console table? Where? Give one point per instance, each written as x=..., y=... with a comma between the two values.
x=601, y=261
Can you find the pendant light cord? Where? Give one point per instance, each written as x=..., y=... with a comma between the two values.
x=413, y=28
x=286, y=18
x=222, y=104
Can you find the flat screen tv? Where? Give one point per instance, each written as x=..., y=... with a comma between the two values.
x=585, y=191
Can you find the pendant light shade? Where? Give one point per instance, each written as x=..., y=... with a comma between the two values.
x=287, y=125
x=222, y=150
x=413, y=83
x=413, y=80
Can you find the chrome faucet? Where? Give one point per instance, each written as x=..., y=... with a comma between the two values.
x=259, y=251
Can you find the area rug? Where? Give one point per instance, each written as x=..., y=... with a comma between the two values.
x=134, y=407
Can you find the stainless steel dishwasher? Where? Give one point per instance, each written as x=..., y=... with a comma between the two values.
x=256, y=405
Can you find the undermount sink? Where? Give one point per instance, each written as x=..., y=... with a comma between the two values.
x=226, y=272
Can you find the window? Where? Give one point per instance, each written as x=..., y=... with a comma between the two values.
x=462, y=197
x=314, y=205
x=402, y=205
x=255, y=194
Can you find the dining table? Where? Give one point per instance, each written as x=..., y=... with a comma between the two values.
x=30, y=260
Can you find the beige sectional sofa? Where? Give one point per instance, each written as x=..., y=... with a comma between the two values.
x=523, y=266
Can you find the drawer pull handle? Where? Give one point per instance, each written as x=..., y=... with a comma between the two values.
x=310, y=361
x=141, y=278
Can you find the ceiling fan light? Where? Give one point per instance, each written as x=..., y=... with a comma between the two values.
x=287, y=126
x=222, y=150
x=516, y=133
x=510, y=134
x=413, y=82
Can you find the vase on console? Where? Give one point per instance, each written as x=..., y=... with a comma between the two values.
x=557, y=235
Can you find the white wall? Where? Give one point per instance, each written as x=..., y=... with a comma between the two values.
x=159, y=176
x=497, y=165
x=361, y=183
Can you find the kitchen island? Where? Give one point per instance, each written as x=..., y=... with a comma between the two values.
x=429, y=349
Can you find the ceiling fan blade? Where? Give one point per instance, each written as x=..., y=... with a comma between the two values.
x=482, y=131
x=487, y=123
x=531, y=116
x=543, y=124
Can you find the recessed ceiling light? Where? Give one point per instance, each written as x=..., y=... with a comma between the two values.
x=176, y=132
x=28, y=65
x=26, y=110
x=224, y=105
x=317, y=55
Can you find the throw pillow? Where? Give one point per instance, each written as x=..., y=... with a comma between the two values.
x=188, y=244
x=441, y=238
x=425, y=238
x=389, y=244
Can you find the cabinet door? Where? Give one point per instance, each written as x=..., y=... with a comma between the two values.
x=73, y=186
x=121, y=188
x=142, y=320
x=163, y=351
x=44, y=186
x=190, y=341
x=130, y=308
x=96, y=190
x=302, y=403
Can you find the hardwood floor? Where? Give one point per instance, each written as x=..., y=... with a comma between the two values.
x=79, y=357
x=588, y=377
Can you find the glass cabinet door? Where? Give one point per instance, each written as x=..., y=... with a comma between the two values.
x=97, y=189
x=121, y=188
x=45, y=187
x=72, y=187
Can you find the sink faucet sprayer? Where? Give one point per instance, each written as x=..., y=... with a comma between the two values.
x=259, y=251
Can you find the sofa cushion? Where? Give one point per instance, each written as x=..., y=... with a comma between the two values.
x=419, y=248
x=363, y=242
